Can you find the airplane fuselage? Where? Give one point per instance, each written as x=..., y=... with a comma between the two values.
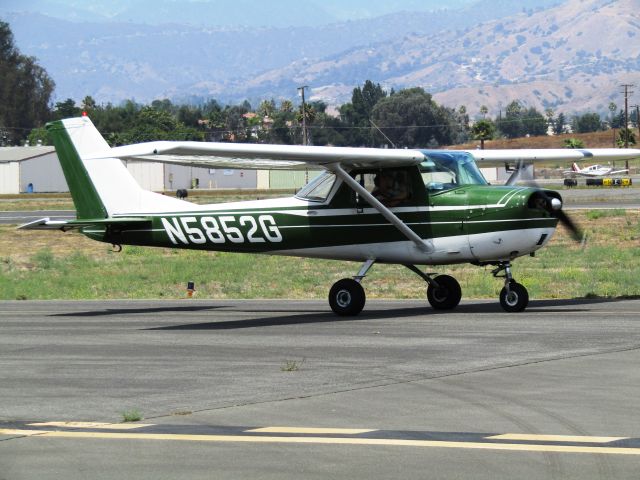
x=466, y=224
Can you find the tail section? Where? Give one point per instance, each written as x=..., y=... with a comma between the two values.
x=575, y=167
x=83, y=192
x=101, y=188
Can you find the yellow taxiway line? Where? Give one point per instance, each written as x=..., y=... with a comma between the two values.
x=243, y=438
x=554, y=438
x=313, y=431
x=102, y=426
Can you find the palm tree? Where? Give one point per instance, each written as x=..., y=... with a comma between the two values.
x=612, y=108
x=266, y=108
x=286, y=106
x=483, y=130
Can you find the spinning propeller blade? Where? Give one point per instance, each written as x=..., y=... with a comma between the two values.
x=555, y=208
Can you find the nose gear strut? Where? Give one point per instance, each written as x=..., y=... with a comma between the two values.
x=513, y=296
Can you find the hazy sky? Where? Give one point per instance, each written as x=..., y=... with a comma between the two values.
x=224, y=12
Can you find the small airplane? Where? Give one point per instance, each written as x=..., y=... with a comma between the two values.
x=400, y=206
x=592, y=171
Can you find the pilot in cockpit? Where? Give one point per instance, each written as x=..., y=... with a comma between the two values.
x=390, y=190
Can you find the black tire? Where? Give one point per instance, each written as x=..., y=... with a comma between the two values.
x=347, y=297
x=516, y=300
x=446, y=295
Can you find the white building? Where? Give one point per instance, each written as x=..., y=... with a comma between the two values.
x=35, y=166
x=37, y=169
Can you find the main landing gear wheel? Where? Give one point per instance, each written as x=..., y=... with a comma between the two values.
x=515, y=298
x=446, y=295
x=347, y=297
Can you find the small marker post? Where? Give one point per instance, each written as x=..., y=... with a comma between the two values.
x=190, y=289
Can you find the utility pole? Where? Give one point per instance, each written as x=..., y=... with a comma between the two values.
x=626, y=111
x=626, y=118
x=304, y=116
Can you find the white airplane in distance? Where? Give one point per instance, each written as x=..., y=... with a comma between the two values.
x=592, y=171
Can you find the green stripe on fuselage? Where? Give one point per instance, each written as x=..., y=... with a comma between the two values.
x=278, y=231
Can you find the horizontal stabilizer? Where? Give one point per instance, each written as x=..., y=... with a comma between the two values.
x=122, y=223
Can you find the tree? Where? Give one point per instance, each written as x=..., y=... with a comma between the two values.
x=612, y=108
x=39, y=136
x=549, y=113
x=88, y=104
x=625, y=136
x=25, y=89
x=511, y=124
x=484, y=110
x=586, y=123
x=357, y=114
x=573, y=143
x=483, y=130
x=617, y=121
x=559, y=124
x=189, y=115
x=411, y=118
x=533, y=122
x=66, y=109
x=151, y=124
x=267, y=108
x=286, y=106
x=520, y=121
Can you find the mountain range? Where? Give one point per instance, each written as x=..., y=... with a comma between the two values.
x=571, y=56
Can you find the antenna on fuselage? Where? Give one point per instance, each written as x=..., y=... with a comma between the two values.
x=378, y=128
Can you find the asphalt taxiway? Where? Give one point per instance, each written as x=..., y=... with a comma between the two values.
x=283, y=389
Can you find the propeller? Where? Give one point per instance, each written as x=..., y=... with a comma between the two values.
x=574, y=230
x=551, y=204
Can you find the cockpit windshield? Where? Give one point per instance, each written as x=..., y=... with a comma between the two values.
x=318, y=189
x=446, y=170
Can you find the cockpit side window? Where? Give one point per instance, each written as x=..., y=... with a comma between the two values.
x=393, y=187
x=446, y=170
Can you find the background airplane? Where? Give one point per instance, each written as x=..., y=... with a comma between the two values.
x=446, y=212
x=592, y=171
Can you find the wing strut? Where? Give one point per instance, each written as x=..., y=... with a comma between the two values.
x=384, y=211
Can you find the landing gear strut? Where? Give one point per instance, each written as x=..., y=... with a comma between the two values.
x=513, y=296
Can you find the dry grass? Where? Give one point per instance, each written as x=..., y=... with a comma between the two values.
x=604, y=139
x=68, y=265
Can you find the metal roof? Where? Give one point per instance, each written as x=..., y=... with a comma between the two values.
x=18, y=154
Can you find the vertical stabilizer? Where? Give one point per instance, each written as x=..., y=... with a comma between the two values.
x=83, y=192
x=101, y=188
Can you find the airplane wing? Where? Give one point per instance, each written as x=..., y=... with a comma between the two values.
x=615, y=172
x=532, y=155
x=260, y=156
x=296, y=157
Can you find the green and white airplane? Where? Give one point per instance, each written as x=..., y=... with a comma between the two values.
x=407, y=207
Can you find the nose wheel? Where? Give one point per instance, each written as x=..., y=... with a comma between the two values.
x=513, y=296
